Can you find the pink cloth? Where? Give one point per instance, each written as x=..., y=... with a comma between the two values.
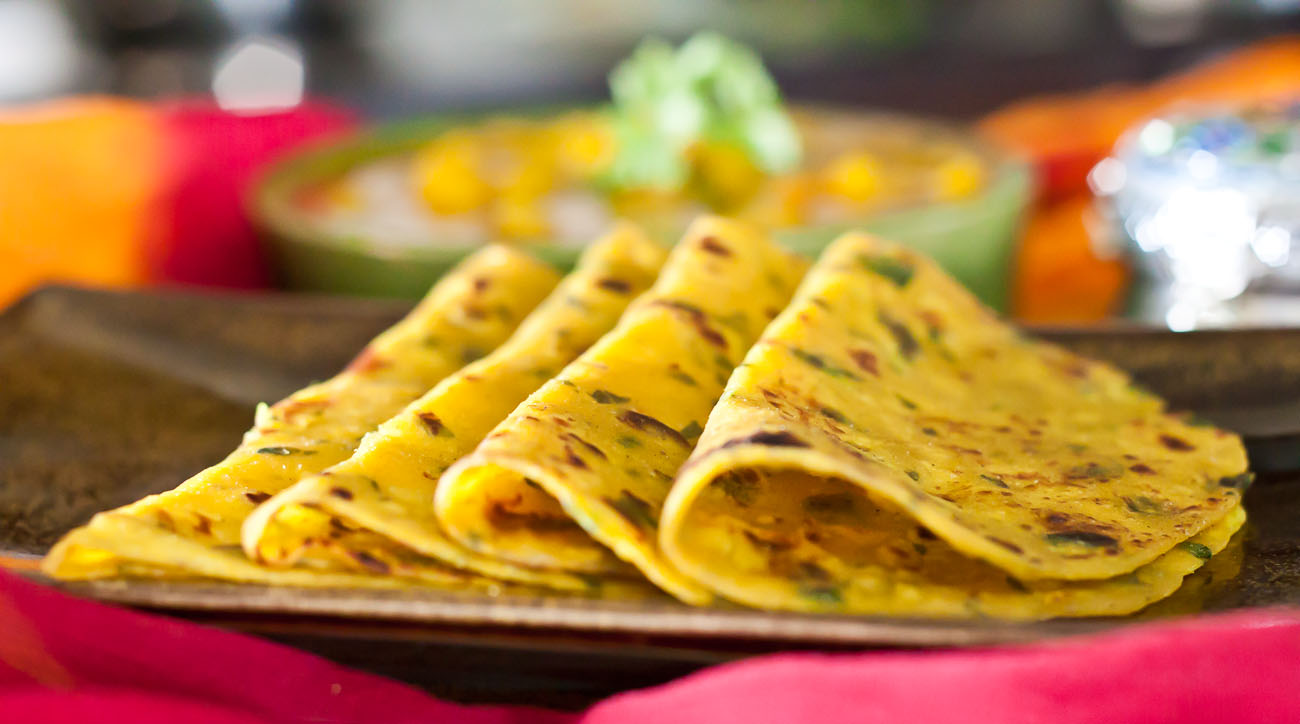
x=1242, y=667
x=60, y=655
x=69, y=660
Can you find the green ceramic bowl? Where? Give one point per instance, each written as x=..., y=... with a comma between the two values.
x=973, y=238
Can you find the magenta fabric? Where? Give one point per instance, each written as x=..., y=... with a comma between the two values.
x=1241, y=667
x=68, y=660
x=62, y=655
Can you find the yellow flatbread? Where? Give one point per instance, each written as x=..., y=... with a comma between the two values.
x=889, y=446
x=574, y=478
x=868, y=557
x=195, y=528
x=374, y=510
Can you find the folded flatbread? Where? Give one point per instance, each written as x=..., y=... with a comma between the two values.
x=574, y=478
x=194, y=530
x=374, y=511
x=889, y=446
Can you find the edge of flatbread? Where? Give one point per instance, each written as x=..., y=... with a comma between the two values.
x=467, y=313
x=886, y=373
x=575, y=477
x=373, y=512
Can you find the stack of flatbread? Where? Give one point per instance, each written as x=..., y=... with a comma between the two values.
x=718, y=422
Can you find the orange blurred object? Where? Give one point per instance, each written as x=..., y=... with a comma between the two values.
x=79, y=182
x=1066, y=134
x=1059, y=277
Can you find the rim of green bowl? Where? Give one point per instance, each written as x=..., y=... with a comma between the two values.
x=271, y=205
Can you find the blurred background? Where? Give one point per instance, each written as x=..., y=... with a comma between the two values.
x=132, y=132
x=393, y=58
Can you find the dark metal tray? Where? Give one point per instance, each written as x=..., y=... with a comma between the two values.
x=106, y=397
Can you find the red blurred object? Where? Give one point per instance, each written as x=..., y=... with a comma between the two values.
x=212, y=155
x=1065, y=175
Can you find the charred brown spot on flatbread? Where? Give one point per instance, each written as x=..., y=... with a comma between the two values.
x=1176, y=444
x=1089, y=538
x=697, y=318
x=1007, y=544
x=713, y=246
x=641, y=421
x=433, y=424
x=589, y=447
x=370, y=562
x=770, y=438
x=618, y=286
x=866, y=361
x=572, y=458
x=634, y=510
x=908, y=347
